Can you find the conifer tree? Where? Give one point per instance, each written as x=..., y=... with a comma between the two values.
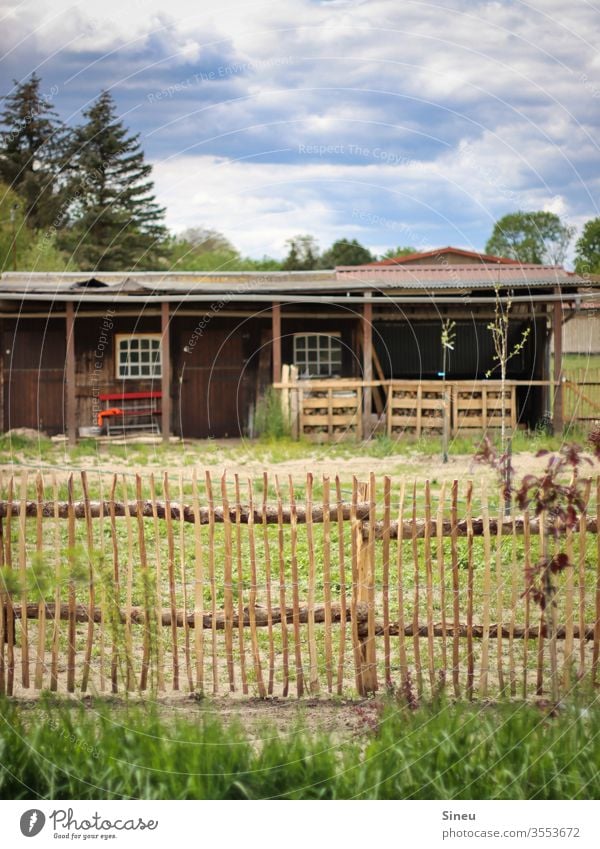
x=116, y=222
x=32, y=148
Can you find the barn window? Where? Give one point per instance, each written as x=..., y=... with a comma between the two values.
x=317, y=354
x=138, y=356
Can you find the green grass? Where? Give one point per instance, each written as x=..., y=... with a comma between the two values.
x=443, y=751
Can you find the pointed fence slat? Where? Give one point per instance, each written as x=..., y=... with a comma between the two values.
x=184, y=593
x=312, y=637
x=442, y=575
x=212, y=580
x=268, y=587
x=148, y=623
x=527, y=599
x=327, y=583
x=487, y=591
x=23, y=579
x=228, y=585
x=171, y=578
x=455, y=592
x=400, y=590
x=160, y=650
x=252, y=605
x=115, y=599
x=470, y=593
x=129, y=659
x=10, y=613
x=72, y=600
x=416, y=594
x=39, y=546
x=429, y=587
x=240, y=579
x=387, y=508
x=342, y=579
x=295, y=591
x=91, y=583
x=198, y=588
x=282, y=594
x=500, y=590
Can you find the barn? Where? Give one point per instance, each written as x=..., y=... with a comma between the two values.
x=207, y=345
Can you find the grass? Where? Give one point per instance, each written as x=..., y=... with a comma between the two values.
x=441, y=751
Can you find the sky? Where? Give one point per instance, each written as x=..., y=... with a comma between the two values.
x=394, y=123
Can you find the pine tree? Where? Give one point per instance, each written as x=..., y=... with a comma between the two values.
x=32, y=146
x=117, y=223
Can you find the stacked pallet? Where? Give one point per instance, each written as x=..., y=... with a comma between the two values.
x=416, y=407
x=331, y=415
x=476, y=406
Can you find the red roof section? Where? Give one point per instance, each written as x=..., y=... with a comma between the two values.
x=398, y=260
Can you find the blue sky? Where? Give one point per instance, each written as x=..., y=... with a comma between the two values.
x=394, y=123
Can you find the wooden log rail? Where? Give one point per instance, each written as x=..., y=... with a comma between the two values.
x=270, y=516
x=137, y=617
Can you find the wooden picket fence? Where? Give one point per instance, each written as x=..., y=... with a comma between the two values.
x=161, y=584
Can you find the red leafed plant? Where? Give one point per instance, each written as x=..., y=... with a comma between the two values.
x=557, y=504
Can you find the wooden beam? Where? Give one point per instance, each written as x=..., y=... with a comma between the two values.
x=367, y=350
x=166, y=372
x=70, y=399
x=276, y=341
x=558, y=413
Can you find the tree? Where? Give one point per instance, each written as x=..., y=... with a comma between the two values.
x=587, y=249
x=346, y=252
x=32, y=149
x=117, y=223
x=392, y=253
x=533, y=237
x=303, y=254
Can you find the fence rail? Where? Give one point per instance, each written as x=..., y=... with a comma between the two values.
x=167, y=585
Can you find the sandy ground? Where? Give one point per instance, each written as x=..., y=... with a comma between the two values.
x=231, y=457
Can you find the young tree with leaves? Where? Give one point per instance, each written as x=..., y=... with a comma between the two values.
x=116, y=222
x=33, y=143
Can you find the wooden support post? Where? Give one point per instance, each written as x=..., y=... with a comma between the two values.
x=367, y=347
x=166, y=372
x=276, y=328
x=558, y=414
x=70, y=398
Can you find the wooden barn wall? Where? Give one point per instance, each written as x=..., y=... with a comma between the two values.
x=33, y=353
x=216, y=373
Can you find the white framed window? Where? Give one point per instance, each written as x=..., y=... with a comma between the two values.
x=318, y=354
x=138, y=356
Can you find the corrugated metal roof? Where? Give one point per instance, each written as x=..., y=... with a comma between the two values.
x=459, y=277
x=423, y=279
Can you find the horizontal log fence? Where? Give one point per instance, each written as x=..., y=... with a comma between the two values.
x=280, y=588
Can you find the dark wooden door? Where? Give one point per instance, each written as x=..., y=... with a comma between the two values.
x=34, y=365
x=213, y=386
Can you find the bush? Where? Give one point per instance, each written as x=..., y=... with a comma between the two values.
x=269, y=419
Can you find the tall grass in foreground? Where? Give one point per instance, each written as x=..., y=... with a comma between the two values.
x=512, y=751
